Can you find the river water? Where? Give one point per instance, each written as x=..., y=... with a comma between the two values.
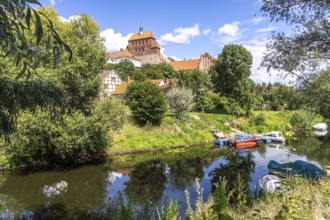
x=142, y=182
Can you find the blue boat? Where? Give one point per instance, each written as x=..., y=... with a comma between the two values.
x=221, y=142
x=299, y=167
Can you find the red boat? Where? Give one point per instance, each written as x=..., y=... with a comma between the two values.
x=244, y=141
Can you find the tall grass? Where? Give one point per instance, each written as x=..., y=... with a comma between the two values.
x=172, y=132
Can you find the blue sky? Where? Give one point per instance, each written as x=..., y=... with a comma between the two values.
x=185, y=29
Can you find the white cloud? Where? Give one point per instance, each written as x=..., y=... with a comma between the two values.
x=228, y=33
x=267, y=29
x=230, y=29
x=114, y=41
x=257, y=20
x=71, y=18
x=206, y=31
x=180, y=35
x=52, y=2
x=257, y=47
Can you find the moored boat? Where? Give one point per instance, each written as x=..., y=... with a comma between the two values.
x=269, y=183
x=299, y=167
x=244, y=141
x=275, y=136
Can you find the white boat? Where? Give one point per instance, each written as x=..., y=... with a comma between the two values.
x=320, y=127
x=275, y=136
x=269, y=183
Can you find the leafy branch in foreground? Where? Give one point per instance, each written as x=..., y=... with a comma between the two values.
x=17, y=19
x=300, y=54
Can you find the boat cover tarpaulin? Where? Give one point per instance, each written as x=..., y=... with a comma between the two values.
x=298, y=167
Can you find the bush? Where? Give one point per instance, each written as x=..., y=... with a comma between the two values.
x=40, y=140
x=299, y=120
x=259, y=120
x=146, y=102
x=180, y=99
x=111, y=111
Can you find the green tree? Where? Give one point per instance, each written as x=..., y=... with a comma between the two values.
x=316, y=96
x=112, y=111
x=298, y=54
x=25, y=34
x=80, y=78
x=146, y=102
x=230, y=76
x=158, y=71
x=125, y=69
x=181, y=100
x=199, y=82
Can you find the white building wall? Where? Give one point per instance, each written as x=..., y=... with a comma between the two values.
x=136, y=63
x=110, y=82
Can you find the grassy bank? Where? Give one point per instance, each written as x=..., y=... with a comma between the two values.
x=300, y=199
x=171, y=132
x=197, y=129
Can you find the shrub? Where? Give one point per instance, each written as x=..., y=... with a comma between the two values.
x=299, y=120
x=259, y=120
x=40, y=140
x=146, y=102
x=180, y=99
x=111, y=111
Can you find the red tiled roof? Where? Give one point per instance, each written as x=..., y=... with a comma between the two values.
x=121, y=54
x=139, y=36
x=121, y=89
x=185, y=64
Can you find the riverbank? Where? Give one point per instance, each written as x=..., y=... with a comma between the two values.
x=173, y=133
x=170, y=133
x=300, y=199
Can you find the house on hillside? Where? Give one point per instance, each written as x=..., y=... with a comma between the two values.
x=203, y=63
x=110, y=81
x=164, y=84
x=144, y=46
x=117, y=56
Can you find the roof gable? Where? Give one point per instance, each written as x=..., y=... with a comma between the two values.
x=185, y=64
x=143, y=35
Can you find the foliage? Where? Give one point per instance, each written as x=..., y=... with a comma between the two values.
x=230, y=76
x=298, y=55
x=298, y=199
x=26, y=33
x=42, y=141
x=181, y=101
x=259, y=120
x=199, y=82
x=221, y=201
x=316, y=96
x=17, y=21
x=203, y=211
x=112, y=111
x=277, y=97
x=16, y=96
x=172, y=132
x=299, y=120
x=124, y=68
x=146, y=102
x=79, y=78
x=170, y=212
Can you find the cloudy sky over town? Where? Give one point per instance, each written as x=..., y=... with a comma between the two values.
x=184, y=29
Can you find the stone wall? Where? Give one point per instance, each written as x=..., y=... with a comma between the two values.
x=151, y=59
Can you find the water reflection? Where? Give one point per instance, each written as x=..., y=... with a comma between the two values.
x=185, y=171
x=315, y=149
x=239, y=164
x=134, y=188
x=147, y=182
x=25, y=192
